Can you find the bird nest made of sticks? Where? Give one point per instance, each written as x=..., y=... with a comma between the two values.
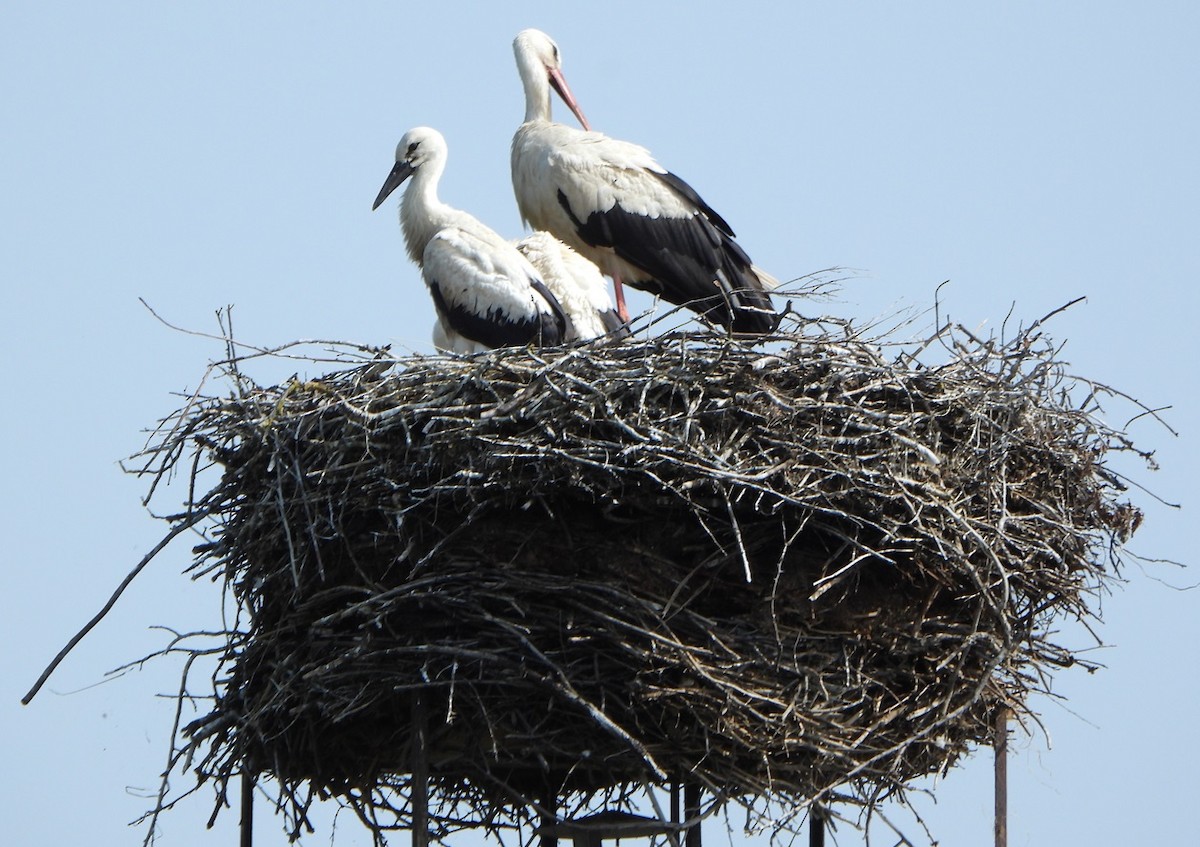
x=810, y=568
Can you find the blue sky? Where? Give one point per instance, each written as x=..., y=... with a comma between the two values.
x=204, y=154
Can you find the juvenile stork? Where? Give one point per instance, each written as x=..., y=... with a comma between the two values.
x=485, y=292
x=611, y=201
x=578, y=285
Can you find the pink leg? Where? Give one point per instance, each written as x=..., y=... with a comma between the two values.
x=622, y=312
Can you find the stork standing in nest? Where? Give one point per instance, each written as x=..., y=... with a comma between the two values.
x=486, y=292
x=613, y=203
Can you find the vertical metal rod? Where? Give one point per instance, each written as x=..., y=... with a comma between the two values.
x=816, y=826
x=691, y=811
x=549, y=817
x=675, y=801
x=1001, y=749
x=420, y=776
x=247, y=824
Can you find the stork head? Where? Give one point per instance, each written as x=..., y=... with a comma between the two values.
x=539, y=61
x=420, y=146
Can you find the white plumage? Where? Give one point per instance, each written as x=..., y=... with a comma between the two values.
x=486, y=292
x=577, y=284
x=613, y=203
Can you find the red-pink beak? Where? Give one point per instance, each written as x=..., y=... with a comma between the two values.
x=564, y=91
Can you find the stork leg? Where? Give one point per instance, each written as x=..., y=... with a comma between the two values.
x=619, y=290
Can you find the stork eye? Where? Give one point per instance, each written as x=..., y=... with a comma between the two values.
x=412, y=148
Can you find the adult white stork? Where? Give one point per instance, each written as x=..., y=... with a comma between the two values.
x=611, y=201
x=485, y=292
x=578, y=285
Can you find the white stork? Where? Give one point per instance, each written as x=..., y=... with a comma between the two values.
x=574, y=281
x=578, y=285
x=611, y=201
x=486, y=293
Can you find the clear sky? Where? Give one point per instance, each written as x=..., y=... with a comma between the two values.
x=205, y=154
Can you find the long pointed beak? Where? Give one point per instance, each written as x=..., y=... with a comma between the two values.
x=401, y=172
x=559, y=82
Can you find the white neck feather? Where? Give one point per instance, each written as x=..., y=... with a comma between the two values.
x=537, y=86
x=422, y=214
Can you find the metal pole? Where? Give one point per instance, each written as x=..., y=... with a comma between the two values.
x=816, y=826
x=247, y=824
x=691, y=811
x=1001, y=749
x=420, y=776
x=549, y=817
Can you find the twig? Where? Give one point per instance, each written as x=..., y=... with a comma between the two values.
x=79, y=636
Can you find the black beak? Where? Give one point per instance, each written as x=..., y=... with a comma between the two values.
x=401, y=172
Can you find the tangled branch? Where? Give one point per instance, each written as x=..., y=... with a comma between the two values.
x=798, y=572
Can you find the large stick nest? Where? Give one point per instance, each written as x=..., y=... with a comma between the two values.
x=810, y=569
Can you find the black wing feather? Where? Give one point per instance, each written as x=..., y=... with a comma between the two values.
x=685, y=191
x=499, y=329
x=684, y=259
x=554, y=325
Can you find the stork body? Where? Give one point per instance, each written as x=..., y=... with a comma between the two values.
x=485, y=292
x=613, y=203
x=577, y=284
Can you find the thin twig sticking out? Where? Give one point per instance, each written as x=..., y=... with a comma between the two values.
x=112, y=601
